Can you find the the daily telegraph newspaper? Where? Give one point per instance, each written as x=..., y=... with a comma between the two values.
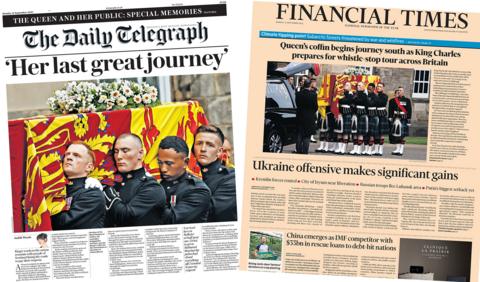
x=366, y=163
x=120, y=141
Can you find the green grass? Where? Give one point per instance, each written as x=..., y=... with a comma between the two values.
x=416, y=140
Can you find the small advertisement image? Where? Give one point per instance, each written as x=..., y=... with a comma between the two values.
x=435, y=260
x=357, y=111
x=121, y=152
x=265, y=246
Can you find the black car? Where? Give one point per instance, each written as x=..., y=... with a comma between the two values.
x=280, y=128
x=280, y=115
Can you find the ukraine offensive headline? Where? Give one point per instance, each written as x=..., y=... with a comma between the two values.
x=361, y=170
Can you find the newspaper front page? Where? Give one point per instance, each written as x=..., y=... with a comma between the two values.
x=367, y=158
x=120, y=141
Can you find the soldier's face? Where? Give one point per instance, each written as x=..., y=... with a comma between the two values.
x=400, y=92
x=361, y=87
x=128, y=154
x=347, y=86
x=370, y=89
x=172, y=165
x=77, y=162
x=379, y=88
x=207, y=148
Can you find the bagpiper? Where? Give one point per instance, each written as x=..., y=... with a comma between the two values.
x=383, y=127
x=343, y=122
x=360, y=119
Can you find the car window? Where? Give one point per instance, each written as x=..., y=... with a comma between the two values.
x=277, y=95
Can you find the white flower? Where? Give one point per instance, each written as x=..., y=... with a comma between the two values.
x=115, y=94
x=102, y=98
x=87, y=96
x=122, y=101
x=110, y=105
x=153, y=93
x=147, y=99
x=127, y=91
x=137, y=99
x=153, y=90
x=70, y=86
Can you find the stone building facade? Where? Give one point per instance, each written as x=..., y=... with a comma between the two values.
x=213, y=93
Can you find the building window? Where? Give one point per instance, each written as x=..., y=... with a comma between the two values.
x=421, y=84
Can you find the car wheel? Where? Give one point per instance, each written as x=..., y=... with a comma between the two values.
x=274, y=141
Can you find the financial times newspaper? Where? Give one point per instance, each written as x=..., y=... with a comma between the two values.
x=120, y=141
x=366, y=161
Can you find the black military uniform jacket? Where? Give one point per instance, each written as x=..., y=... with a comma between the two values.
x=372, y=100
x=346, y=100
x=221, y=182
x=360, y=99
x=393, y=107
x=382, y=99
x=87, y=208
x=188, y=198
x=142, y=201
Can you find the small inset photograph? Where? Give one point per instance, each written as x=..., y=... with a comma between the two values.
x=42, y=240
x=435, y=260
x=357, y=111
x=265, y=245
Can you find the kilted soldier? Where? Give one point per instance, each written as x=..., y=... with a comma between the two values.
x=373, y=120
x=326, y=122
x=360, y=119
x=399, y=113
x=383, y=127
x=354, y=128
x=343, y=122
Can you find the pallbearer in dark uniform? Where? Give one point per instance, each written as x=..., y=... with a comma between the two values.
x=383, y=124
x=343, y=122
x=361, y=103
x=207, y=149
x=187, y=195
x=137, y=199
x=85, y=206
x=399, y=113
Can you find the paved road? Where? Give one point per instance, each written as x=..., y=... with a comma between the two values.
x=411, y=152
